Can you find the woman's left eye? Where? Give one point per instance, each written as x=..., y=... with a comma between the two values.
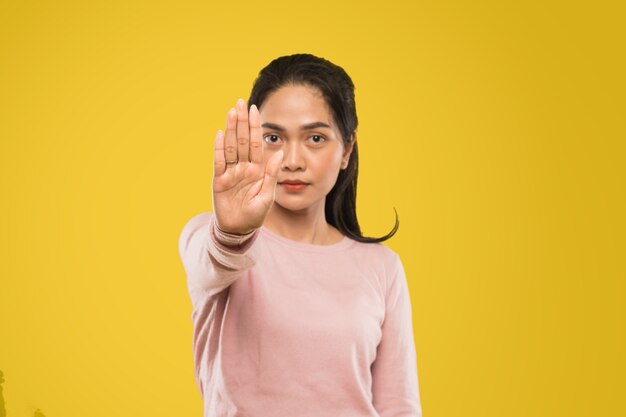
x=317, y=139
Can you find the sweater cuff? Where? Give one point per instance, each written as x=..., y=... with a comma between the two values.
x=231, y=240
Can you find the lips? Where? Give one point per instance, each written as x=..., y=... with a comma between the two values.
x=293, y=185
x=293, y=182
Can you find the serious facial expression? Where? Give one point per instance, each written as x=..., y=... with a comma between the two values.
x=296, y=119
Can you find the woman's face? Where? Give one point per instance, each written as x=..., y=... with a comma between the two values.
x=296, y=119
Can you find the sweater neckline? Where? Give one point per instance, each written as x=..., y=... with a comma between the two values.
x=343, y=243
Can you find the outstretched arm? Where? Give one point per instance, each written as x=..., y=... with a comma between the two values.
x=214, y=247
x=213, y=259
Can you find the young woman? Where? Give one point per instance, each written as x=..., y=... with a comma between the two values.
x=295, y=312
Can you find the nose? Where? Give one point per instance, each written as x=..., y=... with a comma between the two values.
x=293, y=157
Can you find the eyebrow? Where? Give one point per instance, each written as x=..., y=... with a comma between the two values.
x=308, y=126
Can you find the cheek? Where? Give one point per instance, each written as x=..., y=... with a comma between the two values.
x=329, y=164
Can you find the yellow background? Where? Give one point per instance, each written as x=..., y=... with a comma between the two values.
x=495, y=128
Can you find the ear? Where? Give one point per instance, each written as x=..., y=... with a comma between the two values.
x=348, y=151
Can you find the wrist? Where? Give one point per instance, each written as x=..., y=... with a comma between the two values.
x=234, y=234
x=229, y=239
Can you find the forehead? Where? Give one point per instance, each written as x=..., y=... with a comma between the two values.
x=294, y=105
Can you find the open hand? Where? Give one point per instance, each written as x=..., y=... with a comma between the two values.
x=243, y=187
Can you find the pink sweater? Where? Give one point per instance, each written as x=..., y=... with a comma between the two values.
x=286, y=328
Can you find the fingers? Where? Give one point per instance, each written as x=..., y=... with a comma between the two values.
x=256, y=136
x=219, y=162
x=243, y=138
x=268, y=190
x=230, y=140
x=243, y=131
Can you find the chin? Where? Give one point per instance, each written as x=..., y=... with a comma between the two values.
x=296, y=206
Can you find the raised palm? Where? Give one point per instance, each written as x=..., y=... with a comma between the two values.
x=243, y=186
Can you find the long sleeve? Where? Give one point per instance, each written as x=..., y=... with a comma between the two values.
x=394, y=372
x=212, y=259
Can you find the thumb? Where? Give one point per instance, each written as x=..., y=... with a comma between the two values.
x=268, y=188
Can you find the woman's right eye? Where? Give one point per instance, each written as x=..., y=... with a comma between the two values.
x=271, y=139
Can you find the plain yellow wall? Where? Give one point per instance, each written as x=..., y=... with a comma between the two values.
x=495, y=128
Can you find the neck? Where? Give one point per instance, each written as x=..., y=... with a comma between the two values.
x=307, y=226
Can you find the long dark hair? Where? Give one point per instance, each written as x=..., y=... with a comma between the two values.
x=337, y=88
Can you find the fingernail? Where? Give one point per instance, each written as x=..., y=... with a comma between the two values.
x=241, y=101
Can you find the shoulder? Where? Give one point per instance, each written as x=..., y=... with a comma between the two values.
x=377, y=252
x=198, y=219
x=194, y=223
x=379, y=258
